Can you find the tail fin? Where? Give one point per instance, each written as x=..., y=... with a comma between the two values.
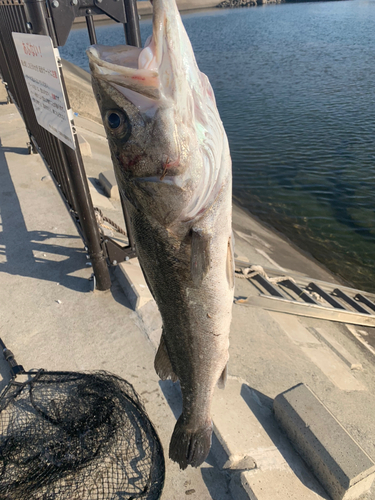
x=190, y=447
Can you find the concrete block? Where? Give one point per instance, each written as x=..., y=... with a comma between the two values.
x=244, y=442
x=337, y=348
x=98, y=199
x=340, y=464
x=237, y=487
x=132, y=281
x=84, y=146
x=108, y=181
x=274, y=485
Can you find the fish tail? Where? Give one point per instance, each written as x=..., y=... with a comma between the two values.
x=190, y=446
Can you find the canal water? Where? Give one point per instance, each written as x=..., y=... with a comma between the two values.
x=295, y=88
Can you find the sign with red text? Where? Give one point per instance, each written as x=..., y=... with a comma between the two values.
x=38, y=60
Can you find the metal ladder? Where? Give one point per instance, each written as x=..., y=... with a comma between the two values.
x=306, y=297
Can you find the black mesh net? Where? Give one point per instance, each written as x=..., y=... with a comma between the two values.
x=77, y=436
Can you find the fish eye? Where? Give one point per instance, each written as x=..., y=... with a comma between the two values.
x=118, y=124
x=114, y=120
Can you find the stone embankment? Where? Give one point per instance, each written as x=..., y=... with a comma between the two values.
x=231, y=4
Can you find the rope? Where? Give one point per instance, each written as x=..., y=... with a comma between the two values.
x=252, y=271
x=100, y=218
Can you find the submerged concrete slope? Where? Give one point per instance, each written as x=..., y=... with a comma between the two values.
x=52, y=319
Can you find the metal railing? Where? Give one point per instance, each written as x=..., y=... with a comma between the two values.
x=54, y=18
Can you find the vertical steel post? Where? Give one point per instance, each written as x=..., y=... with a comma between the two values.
x=127, y=223
x=132, y=30
x=91, y=29
x=86, y=215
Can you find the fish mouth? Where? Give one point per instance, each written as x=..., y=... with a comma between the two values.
x=149, y=72
x=164, y=82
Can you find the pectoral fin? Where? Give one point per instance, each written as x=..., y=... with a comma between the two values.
x=200, y=255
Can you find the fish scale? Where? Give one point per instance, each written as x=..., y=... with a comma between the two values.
x=172, y=163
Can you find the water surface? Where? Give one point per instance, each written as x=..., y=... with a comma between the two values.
x=295, y=88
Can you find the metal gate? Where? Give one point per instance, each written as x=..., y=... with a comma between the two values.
x=54, y=18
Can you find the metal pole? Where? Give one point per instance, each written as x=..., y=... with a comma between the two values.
x=86, y=215
x=91, y=29
x=15, y=368
x=132, y=30
x=127, y=223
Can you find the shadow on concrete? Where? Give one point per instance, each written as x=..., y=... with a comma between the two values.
x=5, y=376
x=172, y=393
x=35, y=254
x=5, y=373
x=216, y=480
x=18, y=151
x=117, y=291
x=261, y=407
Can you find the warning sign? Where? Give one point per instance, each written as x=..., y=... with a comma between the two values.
x=38, y=60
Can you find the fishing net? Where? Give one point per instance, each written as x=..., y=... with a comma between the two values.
x=77, y=436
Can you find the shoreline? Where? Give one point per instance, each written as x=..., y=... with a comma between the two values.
x=145, y=8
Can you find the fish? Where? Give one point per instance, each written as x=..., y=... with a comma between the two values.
x=173, y=167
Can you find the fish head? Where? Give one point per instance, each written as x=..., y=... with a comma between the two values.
x=165, y=134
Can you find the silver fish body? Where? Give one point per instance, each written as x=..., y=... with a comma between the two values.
x=172, y=163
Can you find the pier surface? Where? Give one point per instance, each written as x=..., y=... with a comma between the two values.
x=51, y=318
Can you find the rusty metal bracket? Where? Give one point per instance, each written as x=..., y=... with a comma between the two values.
x=117, y=253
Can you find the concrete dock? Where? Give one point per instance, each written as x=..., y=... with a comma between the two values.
x=52, y=318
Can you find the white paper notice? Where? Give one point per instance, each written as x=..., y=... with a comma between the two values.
x=39, y=65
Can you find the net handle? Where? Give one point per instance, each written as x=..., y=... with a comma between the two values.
x=15, y=368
